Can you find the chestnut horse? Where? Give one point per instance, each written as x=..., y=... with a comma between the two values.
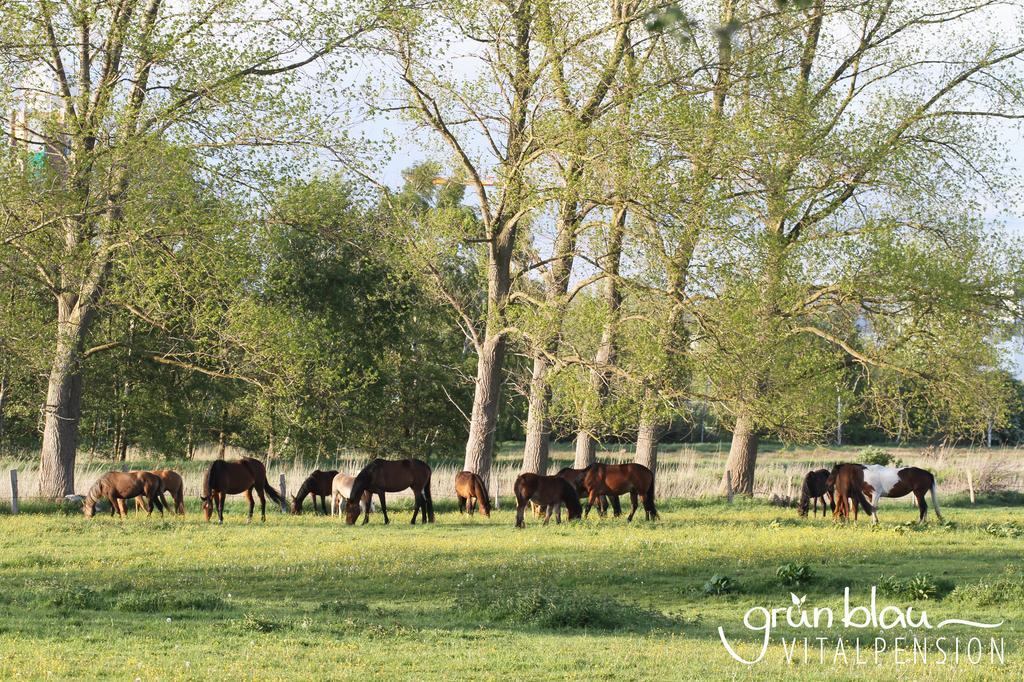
x=550, y=492
x=469, y=487
x=317, y=484
x=225, y=478
x=616, y=479
x=816, y=488
x=118, y=486
x=174, y=485
x=390, y=476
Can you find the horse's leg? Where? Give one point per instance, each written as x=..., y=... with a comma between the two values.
x=875, y=497
x=616, y=505
x=420, y=504
x=463, y=504
x=252, y=503
x=383, y=509
x=591, y=498
x=520, y=510
x=263, y=505
x=921, y=505
x=221, y=498
x=113, y=503
x=547, y=517
x=632, y=500
x=121, y=509
x=558, y=513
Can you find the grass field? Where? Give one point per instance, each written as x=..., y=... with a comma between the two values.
x=476, y=599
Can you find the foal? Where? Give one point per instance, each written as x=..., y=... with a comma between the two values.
x=548, y=491
x=816, y=488
x=469, y=487
x=118, y=486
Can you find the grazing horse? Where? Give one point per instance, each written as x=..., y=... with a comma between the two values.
x=816, y=488
x=847, y=484
x=317, y=484
x=341, y=491
x=225, y=478
x=390, y=476
x=118, y=486
x=616, y=479
x=174, y=485
x=549, y=491
x=469, y=487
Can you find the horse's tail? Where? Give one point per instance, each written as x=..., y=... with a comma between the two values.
x=935, y=499
x=482, y=497
x=274, y=495
x=649, y=500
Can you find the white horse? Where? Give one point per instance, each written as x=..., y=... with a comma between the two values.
x=882, y=481
x=341, y=490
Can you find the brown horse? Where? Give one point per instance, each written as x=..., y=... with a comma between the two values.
x=225, y=478
x=550, y=492
x=118, y=486
x=847, y=482
x=174, y=485
x=575, y=477
x=616, y=479
x=317, y=484
x=390, y=476
x=815, y=487
x=469, y=488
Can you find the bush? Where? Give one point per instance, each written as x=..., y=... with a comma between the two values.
x=875, y=455
x=1008, y=588
x=719, y=585
x=793, y=575
x=919, y=588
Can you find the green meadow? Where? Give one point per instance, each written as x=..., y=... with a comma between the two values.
x=473, y=598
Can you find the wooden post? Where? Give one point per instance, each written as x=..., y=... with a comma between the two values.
x=789, y=488
x=14, y=491
x=124, y=467
x=284, y=496
x=497, y=499
x=970, y=483
x=728, y=485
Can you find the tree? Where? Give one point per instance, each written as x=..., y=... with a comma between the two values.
x=102, y=86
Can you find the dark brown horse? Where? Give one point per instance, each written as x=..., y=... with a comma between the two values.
x=551, y=492
x=118, y=486
x=390, y=476
x=816, y=488
x=225, y=478
x=575, y=478
x=174, y=485
x=847, y=482
x=617, y=479
x=470, y=488
x=317, y=484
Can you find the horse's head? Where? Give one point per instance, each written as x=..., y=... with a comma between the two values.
x=296, y=507
x=352, y=510
x=207, y=506
x=89, y=508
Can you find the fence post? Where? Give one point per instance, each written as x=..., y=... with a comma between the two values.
x=14, y=491
x=728, y=485
x=497, y=498
x=284, y=496
x=970, y=483
x=124, y=467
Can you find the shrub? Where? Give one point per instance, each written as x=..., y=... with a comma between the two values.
x=792, y=575
x=874, y=455
x=1003, y=530
x=719, y=584
x=921, y=587
x=1007, y=588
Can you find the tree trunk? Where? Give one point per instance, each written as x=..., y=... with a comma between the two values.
x=742, y=457
x=647, y=443
x=538, y=428
x=222, y=441
x=3, y=400
x=486, y=398
x=63, y=403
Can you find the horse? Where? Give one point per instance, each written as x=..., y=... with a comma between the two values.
x=174, y=485
x=881, y=481
x=551, y=492
x=118, y=486
x=317, y=484
x=816, y=488
x=616, y=479
x=341, y=490
x=390, y=476
x=470, y=487
x=225, y=478
x=847, y=482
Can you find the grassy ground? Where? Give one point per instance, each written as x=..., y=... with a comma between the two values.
x=470, y=598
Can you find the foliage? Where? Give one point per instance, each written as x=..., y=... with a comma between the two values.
x=719, y=585
x=874, y=455
x=794, y=575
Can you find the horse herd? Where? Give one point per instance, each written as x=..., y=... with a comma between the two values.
x=598, y=483
x=847, y=487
